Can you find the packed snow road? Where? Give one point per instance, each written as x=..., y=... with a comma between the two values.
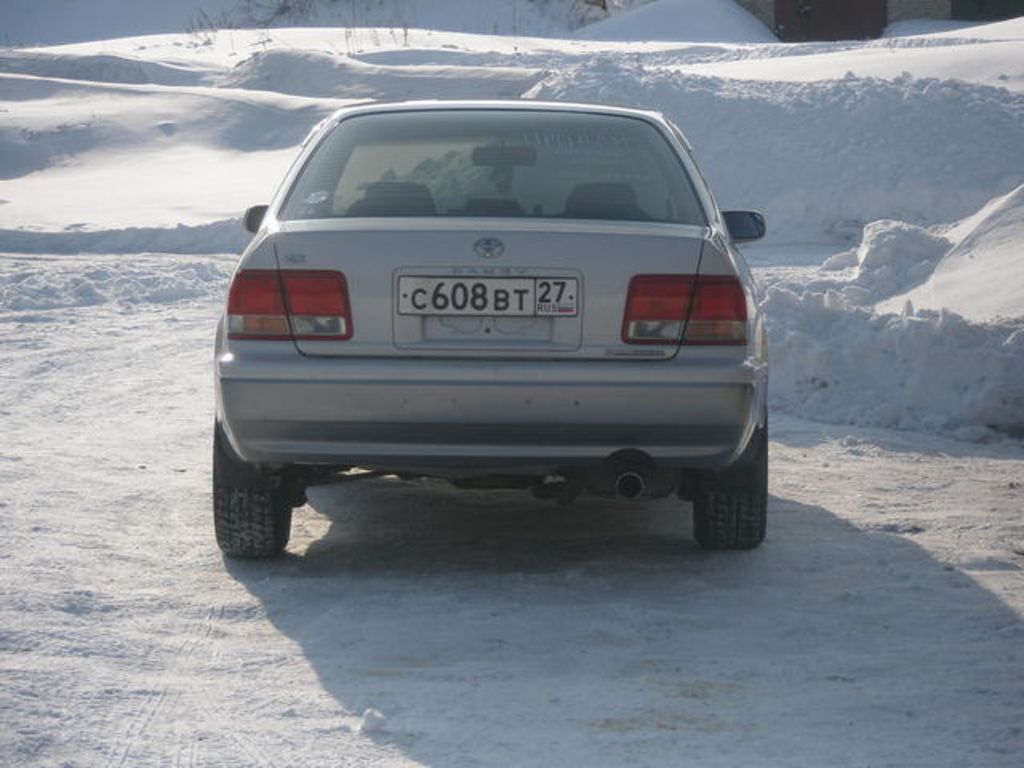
x=411, y=624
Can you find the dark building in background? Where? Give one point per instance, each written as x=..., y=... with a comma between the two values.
x=987, y=10
x=803, y=20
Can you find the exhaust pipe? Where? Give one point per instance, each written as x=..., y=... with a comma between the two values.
x=630, y=485
x=628, y=474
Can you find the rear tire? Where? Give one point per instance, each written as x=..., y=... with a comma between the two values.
x=251, y=514
x=730, y=510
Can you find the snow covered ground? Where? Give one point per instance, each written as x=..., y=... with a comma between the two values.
x=880, y=624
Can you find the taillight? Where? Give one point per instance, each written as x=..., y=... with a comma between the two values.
x=282, y=305
x=256, y=307
x=719, y=312
x=656, y=309
x=317, y=305
x=687, y=309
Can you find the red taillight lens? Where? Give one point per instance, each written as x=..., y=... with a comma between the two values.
x=286, y=304
x=318, y=305
x=256, y=306
x=656, y=309
x=719, y=312
x=673, y=309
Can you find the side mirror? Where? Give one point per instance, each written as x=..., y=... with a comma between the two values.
x=254, y=217
x=745, y=226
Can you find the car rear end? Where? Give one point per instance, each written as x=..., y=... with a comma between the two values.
x=483, y=291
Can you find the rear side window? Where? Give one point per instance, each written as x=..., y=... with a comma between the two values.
x=495, y=163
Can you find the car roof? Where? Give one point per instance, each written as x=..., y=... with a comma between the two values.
x=494, y=104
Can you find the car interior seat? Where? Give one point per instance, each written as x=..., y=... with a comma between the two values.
x=604, y=200
x=394, y=198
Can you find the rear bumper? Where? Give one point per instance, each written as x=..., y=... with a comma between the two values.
x=464, y=417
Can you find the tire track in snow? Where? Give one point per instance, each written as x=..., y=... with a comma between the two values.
x=244, y=747
x=186, y=750
x=154, y=703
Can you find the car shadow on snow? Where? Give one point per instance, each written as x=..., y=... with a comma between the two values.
x=488, y=628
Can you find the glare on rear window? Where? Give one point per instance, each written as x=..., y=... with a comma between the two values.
x=534, y=164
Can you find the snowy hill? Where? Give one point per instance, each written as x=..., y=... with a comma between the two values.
x=711, y=21
x=980, y=276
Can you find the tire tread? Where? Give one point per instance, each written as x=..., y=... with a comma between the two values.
x=735, y=515
x=251, y=517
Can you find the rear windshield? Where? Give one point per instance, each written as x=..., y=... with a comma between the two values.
x=495, y=163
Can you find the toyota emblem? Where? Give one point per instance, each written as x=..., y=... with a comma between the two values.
x=489, y=247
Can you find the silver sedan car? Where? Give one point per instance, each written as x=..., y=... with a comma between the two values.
x=501, y=294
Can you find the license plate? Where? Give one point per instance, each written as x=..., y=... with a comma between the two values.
x=490, y=296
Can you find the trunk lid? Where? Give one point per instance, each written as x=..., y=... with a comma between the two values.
x=402, y=274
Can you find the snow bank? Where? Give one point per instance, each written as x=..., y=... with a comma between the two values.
x=986, y=54
x=96, y=67
x=982, y=277
x=875, y=337
x=923, y=370
x=1012, y=29
x=712, y=21
x=892, y=256
x=915, y=27
x=111, y=157
x=125, y=282
x=822, y=159
x=312, y=73
x=225, y=236
x=972, y=268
